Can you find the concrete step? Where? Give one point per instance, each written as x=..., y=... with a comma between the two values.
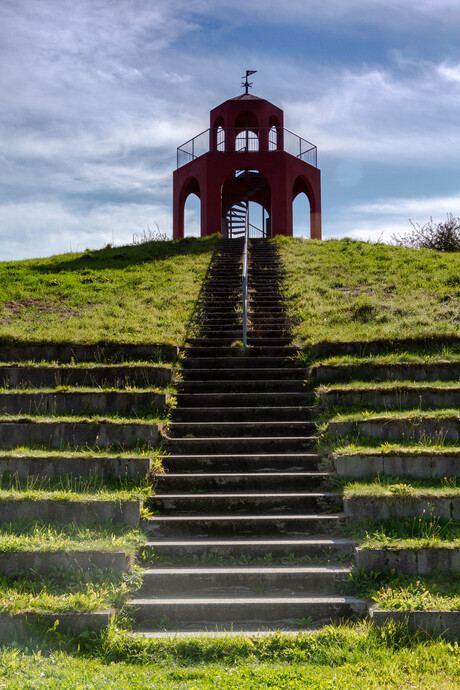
x=231, y=429
x=288, y=462
x=243, y=525
x=231, y=482
x=50, y=466
x=246, y=373
x=238, y=445
x=268, y=399
x=209, y=350
x=267, y=610
x=240, y=581
x=243, y=414
x=268, y=343
x=63, y=434
x=114, y=376
x=241, y=386
x=74, y=403
x=244, y=549
x=395, y=371
x=245, y=503
x=73, y=352
x=238, y=362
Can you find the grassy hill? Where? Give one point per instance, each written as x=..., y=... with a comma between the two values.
x=131, y=294
x=346, y=290
x=337, y=290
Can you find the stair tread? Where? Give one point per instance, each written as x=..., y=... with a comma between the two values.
x=247, y=570
x=262, y=599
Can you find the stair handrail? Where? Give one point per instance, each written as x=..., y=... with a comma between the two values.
x=245, y=280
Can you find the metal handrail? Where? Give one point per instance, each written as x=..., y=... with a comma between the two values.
x=252, y=140
x=245, y=280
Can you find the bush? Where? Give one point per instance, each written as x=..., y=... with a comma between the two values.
x=443, y=237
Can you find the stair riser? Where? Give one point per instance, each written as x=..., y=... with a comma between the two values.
x=266, y=550
x=94, y=377
x=237, y=362
x=257, y=374
x=57, y=435
x=275, y=399
x=242, y=463
x=282, y=504
x=240, y=585
x=290, y=482
x=227, y=528
x=242, y=386
x=228, y=446
x=208, y=350
x=239, y=429
x=248, y=414
x=75, y=403
x=152, y=613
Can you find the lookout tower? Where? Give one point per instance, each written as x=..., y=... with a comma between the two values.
x=246, y=155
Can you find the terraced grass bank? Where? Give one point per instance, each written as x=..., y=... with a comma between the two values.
x=77, y=447
x=80, y=423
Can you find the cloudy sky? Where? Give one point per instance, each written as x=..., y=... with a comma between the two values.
x=96, y=95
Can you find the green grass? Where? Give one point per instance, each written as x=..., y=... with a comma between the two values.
x=341, y=657
x=345, y=290
x=387, y=385
x=435, y=355
x=394, y=486
x=395, y=592
x=72, y=488
x=410, y=415
x=28, y=534
x=132, y=294
x=64, y=591
x=369, y=446
x=405, y=533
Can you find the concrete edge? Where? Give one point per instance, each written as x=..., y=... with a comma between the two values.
x=19, y=624
x=437, y=623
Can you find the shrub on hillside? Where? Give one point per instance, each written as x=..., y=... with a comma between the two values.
x=443, y=237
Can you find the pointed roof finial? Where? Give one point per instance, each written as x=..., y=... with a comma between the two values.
x=246, y=84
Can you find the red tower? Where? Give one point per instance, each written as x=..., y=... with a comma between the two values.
x=246, y=155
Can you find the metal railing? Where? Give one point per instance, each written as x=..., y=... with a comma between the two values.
x=247, y=140
x=245, y=281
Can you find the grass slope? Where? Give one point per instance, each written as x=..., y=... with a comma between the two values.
x=131, y=294
x=347, y=290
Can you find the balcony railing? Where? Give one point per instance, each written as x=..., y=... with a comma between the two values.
x=257, y=139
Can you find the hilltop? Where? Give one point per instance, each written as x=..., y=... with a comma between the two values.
x=338, y=290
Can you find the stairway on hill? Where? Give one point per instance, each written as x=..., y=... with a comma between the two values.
x=246, y=536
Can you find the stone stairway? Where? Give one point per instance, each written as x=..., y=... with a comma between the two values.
x=246, y=536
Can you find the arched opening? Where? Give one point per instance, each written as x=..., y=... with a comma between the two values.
x=247, y=140
x=220, y=138
x=192, y=208
x=247, y=132
x=192, y=216
x=243, y=191
x=301, y=216
x=273, y=139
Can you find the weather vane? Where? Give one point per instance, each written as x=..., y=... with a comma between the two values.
x=246, y=84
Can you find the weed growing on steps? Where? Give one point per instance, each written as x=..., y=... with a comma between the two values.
x=405, y=533
x=396, y=592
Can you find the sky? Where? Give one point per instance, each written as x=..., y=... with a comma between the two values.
x=96, y=96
